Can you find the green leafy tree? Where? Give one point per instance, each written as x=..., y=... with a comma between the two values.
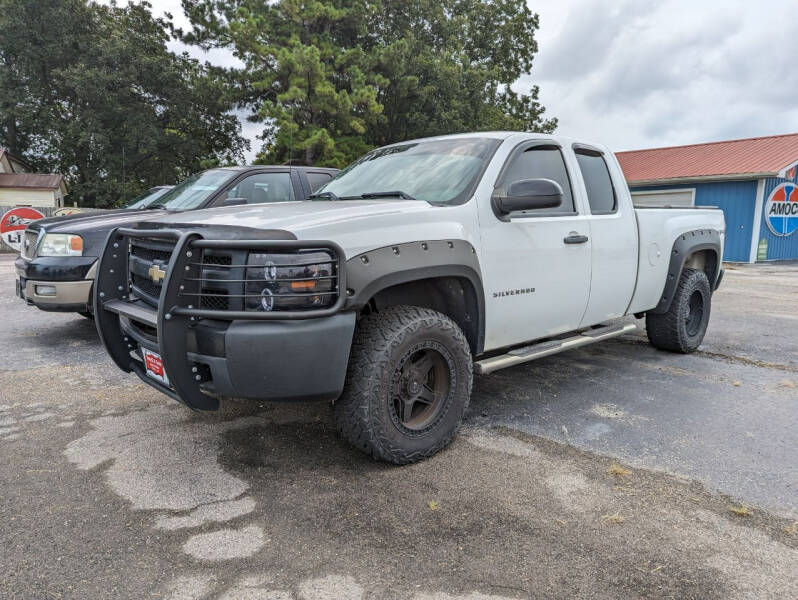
x=92, y=92
x=331, y=79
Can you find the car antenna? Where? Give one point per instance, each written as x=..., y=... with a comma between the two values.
x=291, y=140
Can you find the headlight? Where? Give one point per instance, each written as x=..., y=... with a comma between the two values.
x=290, y=281
x=61, y=244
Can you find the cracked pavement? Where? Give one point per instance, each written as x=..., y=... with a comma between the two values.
x=614, y=471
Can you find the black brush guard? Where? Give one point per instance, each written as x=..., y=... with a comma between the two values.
x=176, y=311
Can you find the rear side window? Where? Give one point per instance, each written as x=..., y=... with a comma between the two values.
x=542, y=162
x=316, y=180
x=598, y=183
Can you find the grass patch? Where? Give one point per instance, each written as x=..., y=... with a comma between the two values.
x=740, y=511
x=615, y=519
x=618, y=471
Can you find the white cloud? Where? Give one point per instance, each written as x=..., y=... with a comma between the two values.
x=637, y=73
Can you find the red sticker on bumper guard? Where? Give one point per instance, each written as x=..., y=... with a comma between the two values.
x=154, y=366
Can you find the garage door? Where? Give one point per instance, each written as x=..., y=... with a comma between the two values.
x=664, y=198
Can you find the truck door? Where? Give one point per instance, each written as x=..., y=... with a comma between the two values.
x=536, y=264
x=613, y=235
x=263, y=187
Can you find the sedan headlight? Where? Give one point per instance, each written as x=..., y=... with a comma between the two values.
x=61, y=244
x=290, y=281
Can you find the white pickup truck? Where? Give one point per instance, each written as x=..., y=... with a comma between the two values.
x=418, y=265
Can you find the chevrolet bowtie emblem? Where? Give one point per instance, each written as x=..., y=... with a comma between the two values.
x=156, y=273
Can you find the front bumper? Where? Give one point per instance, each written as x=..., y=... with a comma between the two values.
x=208, y=355
x=275, y=360
x=60, y=285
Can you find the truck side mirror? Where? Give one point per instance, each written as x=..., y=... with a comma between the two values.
x=529, y=194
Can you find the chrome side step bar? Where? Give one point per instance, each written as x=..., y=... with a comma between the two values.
x=535, y=351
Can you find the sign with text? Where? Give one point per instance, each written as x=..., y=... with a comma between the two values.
x=13, y=224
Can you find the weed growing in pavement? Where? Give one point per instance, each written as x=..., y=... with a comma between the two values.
x=618, y=471
x=615, y=519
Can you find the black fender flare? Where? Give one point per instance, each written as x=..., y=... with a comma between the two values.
x=685, y=246
x=371, y=272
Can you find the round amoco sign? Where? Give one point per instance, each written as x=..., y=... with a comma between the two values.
x=13, y=224
x=781, y=210
x=66, y=211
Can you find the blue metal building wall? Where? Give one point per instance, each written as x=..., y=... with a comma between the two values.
x=737, y=199
x=779, y=247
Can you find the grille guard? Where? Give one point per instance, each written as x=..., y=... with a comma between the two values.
x=173, y=316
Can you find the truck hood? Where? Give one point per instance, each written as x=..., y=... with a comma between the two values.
x=93, y=222
x=357, y=225
x=93, y=227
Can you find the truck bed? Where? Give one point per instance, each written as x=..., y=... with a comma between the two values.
x=658, y=228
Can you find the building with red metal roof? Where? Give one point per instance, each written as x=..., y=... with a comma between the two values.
x=753, y=180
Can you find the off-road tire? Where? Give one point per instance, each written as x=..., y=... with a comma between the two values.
x=366, y=415
x=674, y=331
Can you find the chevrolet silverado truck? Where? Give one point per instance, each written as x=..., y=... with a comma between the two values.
x=58, y=262
x=418, y=265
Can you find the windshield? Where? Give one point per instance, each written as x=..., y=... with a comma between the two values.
x=438, y=171
x=192, y=192
x=145, y=199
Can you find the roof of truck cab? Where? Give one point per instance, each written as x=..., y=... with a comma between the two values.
x=497, y=135
x=503, y=135
x=299, y=167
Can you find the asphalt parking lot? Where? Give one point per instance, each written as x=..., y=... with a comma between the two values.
x=615, y=471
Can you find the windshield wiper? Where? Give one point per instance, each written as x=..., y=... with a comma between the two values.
x=391, y=194
x=160, y=206
x=334, y=196
x=325, y=195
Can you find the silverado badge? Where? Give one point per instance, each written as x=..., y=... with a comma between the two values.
x=156, y=273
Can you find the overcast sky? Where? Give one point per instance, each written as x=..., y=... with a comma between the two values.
x=646, y=73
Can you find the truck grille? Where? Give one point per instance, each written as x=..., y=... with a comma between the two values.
x=214, y=300
x=150, y=289
x=30, y=243
x=144, y=254
x=159, y=254
x=215, y=279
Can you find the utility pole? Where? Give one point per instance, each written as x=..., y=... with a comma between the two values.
x=124, y=186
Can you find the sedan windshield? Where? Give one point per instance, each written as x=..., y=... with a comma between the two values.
x=438, y=171
x=192, y=192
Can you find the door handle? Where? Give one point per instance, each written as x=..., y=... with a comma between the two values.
x=576, y=239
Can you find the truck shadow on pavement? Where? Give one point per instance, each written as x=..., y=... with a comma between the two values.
x=274, y=491
x=499, y=513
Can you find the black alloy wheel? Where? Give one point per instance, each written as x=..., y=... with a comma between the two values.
x=421, y=386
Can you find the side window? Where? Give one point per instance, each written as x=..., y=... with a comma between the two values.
x=598, y=182
x=542, y=162
x=264, y=187
x=316, y=180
